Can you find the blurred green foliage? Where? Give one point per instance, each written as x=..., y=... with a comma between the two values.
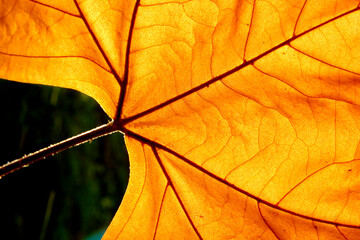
x=69, y=195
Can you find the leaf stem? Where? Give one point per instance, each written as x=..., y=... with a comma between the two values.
x=58, y=147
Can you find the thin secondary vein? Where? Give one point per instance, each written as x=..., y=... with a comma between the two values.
x=55, y=8
x=107, y=60
x=54, y=57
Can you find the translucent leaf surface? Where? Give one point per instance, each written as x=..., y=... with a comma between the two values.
x=241, y=117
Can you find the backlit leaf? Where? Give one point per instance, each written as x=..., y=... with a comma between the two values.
x=241, y=117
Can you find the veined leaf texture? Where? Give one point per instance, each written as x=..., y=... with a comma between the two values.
x=242, y=117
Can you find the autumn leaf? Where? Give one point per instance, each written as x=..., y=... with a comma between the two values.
x=241, y=117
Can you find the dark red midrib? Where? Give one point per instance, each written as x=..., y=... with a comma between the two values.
x=154, y=144
x=127, y=120
x=126, y=70
x=107, y=60
x=174, y=189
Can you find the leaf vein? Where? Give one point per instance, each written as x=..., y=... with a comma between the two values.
x=154, y=144
x=229, y=72
x=138, y=199
x=159, y=214
x=174, y=189
x=55, y=8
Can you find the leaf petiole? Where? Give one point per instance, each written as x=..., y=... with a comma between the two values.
x=58, y=147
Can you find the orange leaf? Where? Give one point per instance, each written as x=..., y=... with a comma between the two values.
x=241, y=117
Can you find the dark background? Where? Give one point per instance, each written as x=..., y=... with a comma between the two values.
x=72, y=194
